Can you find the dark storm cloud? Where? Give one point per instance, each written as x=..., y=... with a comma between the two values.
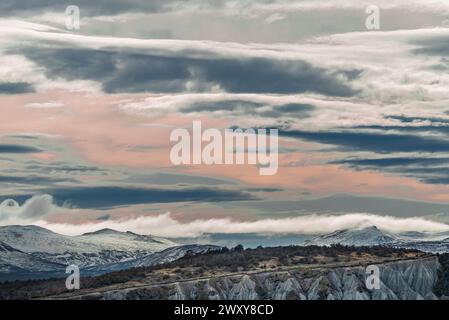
x=438, y=180
x=32, y=180
x=15, y=87
x=292, y=110
x=428, y=170
x=407, y=137
x=120, y=72
x=265, y=189
x=295, y=107
x=411, y=125
x=430, y=175
x=346, y=203
x=88, y=8
x=15, y=148
x=229, y=105
x=372, y=141
x=272, y=76
x=394, y=162
x=174, y=179
x=239, y=107
x=110, y=197
x=406, y=119
x=440, y=128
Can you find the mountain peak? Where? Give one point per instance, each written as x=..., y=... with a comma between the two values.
x=26, y=228
x=104, y=231
x=369, y=236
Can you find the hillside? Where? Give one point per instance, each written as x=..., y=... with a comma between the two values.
x=28, y=252
x=264, y=273
x=371, y=236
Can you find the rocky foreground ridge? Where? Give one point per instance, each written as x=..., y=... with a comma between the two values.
x=400, y=280
x=295, y=272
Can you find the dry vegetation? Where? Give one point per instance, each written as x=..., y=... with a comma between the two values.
x=215, y=264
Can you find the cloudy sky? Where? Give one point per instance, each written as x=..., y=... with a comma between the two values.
x=363, y=115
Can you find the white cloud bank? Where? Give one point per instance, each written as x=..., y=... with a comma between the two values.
x=32, y=209
x=165, y=225
x=36, y=209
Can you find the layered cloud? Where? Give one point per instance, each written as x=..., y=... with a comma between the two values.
x=15, y=148
x=120, y=72
x=37, y=208
x=166, y=226
x=15, y=88
x=98, y=8
x=107, y=197
x=358, y=112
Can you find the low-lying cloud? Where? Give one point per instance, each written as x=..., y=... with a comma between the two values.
x=32, y=209
x=36, y=210
x=165, y=225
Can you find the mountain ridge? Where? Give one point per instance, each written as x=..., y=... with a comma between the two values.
x=368, y=236
x=29, y=249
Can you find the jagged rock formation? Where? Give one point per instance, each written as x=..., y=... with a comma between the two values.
x=400, y=280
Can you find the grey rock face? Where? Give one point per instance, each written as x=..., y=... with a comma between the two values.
x=401, y=280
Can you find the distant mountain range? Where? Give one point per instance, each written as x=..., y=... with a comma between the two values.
x=34, y=252
x=31, y=252
x=373, y=236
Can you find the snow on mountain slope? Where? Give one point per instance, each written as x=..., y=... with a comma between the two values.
x=112, y=239
x=424, y=236
x=28, y=249
x=371, y=236
x=165, y=256
x=36, y=239
x=13, y=260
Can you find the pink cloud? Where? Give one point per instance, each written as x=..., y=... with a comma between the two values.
x=101, y=133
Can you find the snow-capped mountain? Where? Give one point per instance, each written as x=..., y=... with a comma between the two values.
x=26, y=250
x=13, y=260
x=36, y=239
x=370, y=236
x=29, y=252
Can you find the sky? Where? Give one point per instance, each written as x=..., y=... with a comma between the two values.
x=362, y=114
